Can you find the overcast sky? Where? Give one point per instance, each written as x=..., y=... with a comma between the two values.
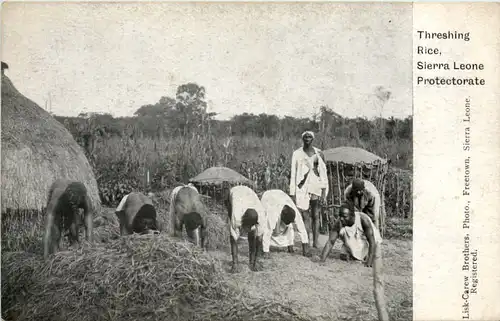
x=283, y=59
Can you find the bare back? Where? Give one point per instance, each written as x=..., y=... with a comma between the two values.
x=188, y=200
x=65, y=194
x=55, y=191
x=133, y=204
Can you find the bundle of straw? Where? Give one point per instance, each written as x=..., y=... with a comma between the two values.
x=135, y=277
x=218, y=232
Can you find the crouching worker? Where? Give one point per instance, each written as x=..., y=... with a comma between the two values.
x=65, y=198
x=282, y=214
x=137, y=214
x=355, y=229
x=187, y=210
x=365, y=197
x=247, y=216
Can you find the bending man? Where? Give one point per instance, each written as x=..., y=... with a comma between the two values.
x=365, y=197
x=247, y=216
x=354, y=229
x=282, y=214
x=187, y=210
x=309, y=184
x=137, y=214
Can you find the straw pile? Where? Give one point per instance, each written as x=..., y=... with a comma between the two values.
x=36, y=150
x=136, y=277
x=218, y=233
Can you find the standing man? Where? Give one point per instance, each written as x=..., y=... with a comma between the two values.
x=354, y=229
x=309, y=184
x=282, y=214
x=365, y=197
x=247, y=216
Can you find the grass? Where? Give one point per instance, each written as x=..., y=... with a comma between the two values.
x=22, y=230
x=121, y=165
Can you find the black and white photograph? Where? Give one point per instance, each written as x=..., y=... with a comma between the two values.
x=199, y=161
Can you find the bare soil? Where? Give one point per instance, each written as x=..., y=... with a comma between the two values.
x=334, y=290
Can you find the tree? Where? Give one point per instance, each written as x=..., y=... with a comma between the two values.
x=383, y=96
x=163, y=108
x=191, y=107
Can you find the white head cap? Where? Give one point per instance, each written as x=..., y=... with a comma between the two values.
x=308, y=132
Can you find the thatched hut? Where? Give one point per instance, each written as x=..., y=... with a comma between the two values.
x=36, y=150
x=346, y=163
x=214, y=181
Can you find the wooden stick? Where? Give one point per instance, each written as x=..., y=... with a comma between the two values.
x=382, y=211
x=378, y=284
x=343, y=179
x=330, y=182
x=338, y=182
x=397, y=193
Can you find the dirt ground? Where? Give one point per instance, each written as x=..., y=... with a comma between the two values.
x=334, y=290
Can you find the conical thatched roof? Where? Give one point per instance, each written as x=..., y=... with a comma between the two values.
x=351, y=155
x=219, y=175
x=36, y=150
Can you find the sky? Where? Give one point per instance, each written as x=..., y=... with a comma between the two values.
x=281, y=58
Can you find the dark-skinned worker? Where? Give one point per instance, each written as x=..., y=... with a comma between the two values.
x=365, y=197
x=247, y=216
x=357, y=232
x=187, y=210
x=137, y=214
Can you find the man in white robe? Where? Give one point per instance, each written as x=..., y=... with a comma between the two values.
x=282, y=215
x=309, y=184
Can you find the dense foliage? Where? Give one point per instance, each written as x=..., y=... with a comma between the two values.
x=176, y=138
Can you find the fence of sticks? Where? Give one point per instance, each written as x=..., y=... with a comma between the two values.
x=347, y=163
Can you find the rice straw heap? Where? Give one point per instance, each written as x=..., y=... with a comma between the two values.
x=133, y=278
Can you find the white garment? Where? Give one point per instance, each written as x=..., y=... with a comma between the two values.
x=375, y=194
x=355, y=242
x=122, y=203
x=273, y=202
x=243, y=198
x=173, y=195
x=301, y=164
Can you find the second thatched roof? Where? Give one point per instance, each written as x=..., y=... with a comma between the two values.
x=219, y=175
x=351, y=155
x=36, y=150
